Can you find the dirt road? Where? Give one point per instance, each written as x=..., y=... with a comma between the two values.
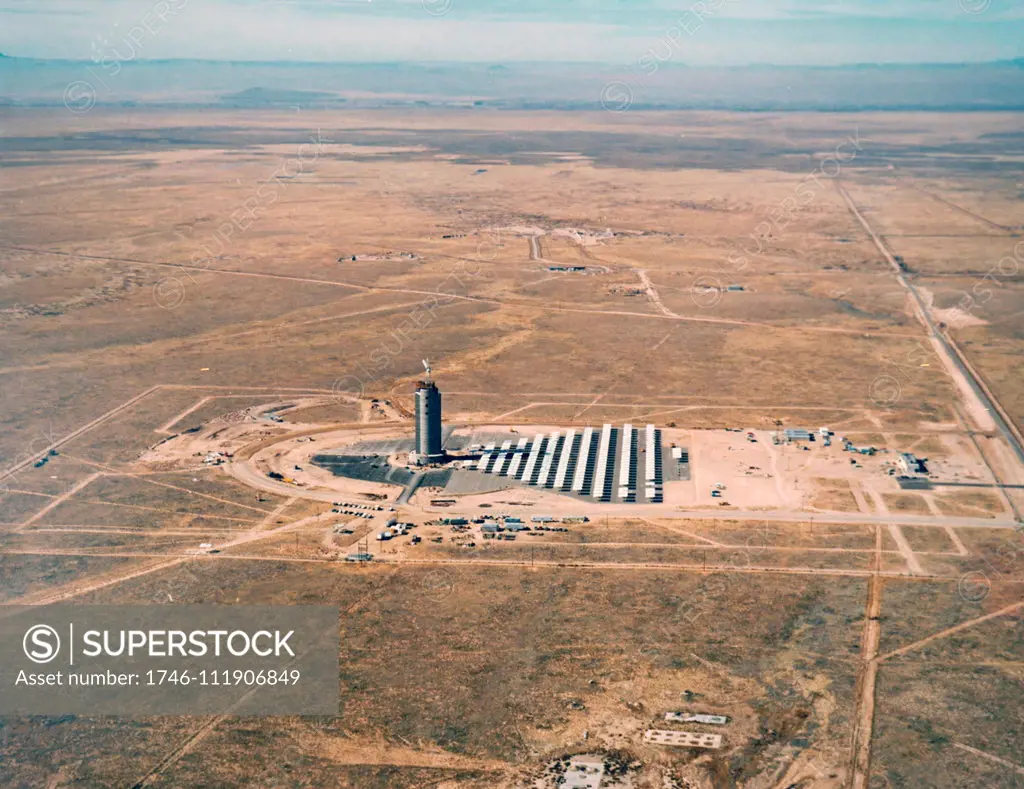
x=76, y=433
x=864, y=721
x=74, y=590
x=864, y=724
x=967, y=212
x=983, y=410
x=652, y=294
x=949, y=631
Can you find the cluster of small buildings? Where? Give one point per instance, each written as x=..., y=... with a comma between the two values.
x=492, y=531
x=506, y=527
x=396, y=529
x=849, y=447
x=389, y=255
x=908, y=463
x=687, y=739
x=792, y=434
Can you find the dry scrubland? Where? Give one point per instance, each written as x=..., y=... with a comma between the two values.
x=488, y=671
x=475, y=678
x=116, y=278
x=156, y=194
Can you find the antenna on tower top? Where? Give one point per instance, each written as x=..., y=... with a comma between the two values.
x=426, y=366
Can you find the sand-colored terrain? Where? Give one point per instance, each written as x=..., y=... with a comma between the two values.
x=190, y=301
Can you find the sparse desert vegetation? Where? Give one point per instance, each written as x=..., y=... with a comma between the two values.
x=158, y=375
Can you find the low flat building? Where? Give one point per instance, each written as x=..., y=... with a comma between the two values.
x=911, y=464
x=584, y=772
x=686, y=717
x=683, y=739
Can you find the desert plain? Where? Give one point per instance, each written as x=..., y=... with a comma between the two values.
x=176, y=283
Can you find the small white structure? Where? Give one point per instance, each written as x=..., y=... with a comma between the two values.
x=910, y=464
x=650, y=456
x=579, y=476
x=601, y=470
x=683, y=739
x=683, y=717
x=626, y=462
x=584, y=772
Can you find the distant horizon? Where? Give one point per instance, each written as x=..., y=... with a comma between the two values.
x=992, y=85
x=1019, y=61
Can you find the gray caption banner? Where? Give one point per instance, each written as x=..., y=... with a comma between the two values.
x=168, y=660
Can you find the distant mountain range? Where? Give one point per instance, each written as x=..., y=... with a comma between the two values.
x=977, y=86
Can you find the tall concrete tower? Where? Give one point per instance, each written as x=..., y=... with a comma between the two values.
x=428, y=421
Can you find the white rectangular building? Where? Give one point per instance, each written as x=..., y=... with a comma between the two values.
x=683, y=739
x=580, y=475
x=650, y=471
x=549, y=458
x=517, y=458
x=625, y=461
x=601, y=470
x=563, y=459
x=531, y=461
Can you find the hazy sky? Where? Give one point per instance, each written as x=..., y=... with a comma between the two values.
x=697, y=32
